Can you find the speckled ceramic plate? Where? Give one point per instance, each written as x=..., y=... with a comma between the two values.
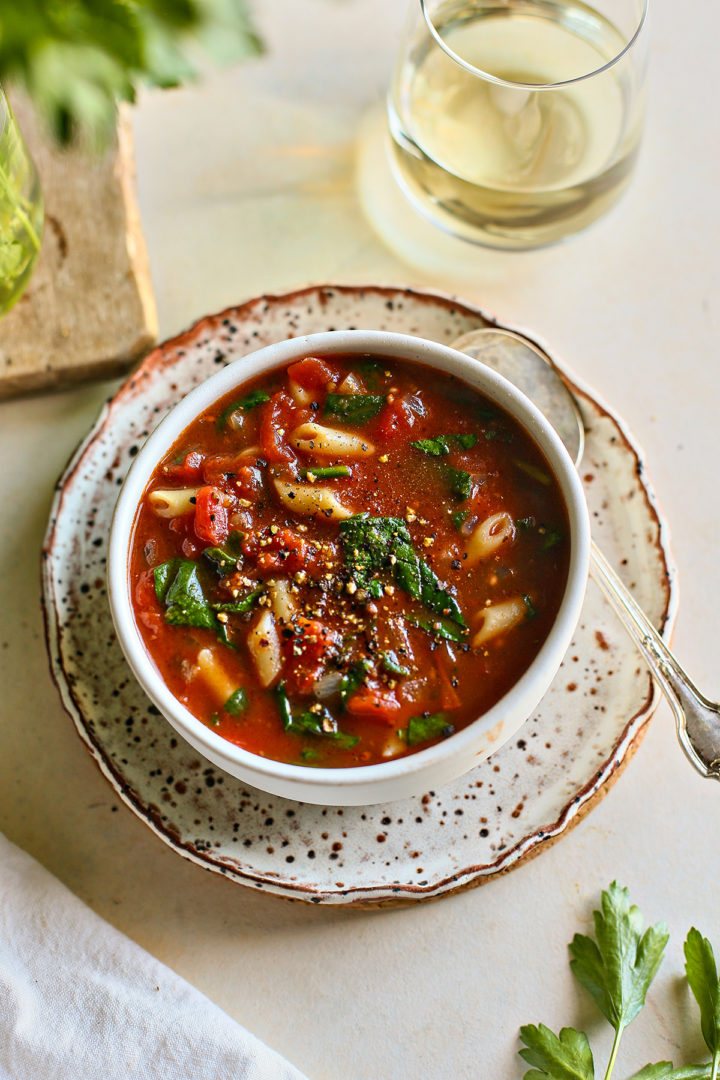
x=507, y=809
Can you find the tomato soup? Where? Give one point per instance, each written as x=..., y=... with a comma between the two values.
x=347, y=560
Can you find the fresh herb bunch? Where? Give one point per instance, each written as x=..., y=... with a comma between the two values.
x=617, y=968
x=77, y=58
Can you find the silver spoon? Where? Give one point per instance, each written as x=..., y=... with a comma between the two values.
x=697, y=720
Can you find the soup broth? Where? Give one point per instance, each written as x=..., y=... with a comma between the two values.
x=347, y=560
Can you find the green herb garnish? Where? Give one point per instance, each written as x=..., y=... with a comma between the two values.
x=437, y=626
x=77, y=60
x=320, y=722
x=246, y=404
x=353, y=408
x=242, y=604
x=460, y=482
x=372, y=545
x=371, y=372
x=327, y=472
x=178, y=587
x=441, y=444
x=352, y=680
x=550, y=539
x=236, y=703
x=525, y=524
x=617, y=968
x=392, y=665
x=458, y=518
x=422, y=728
x=530, y=609
x=220, y=561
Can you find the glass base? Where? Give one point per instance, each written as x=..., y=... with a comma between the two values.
x=413, y=231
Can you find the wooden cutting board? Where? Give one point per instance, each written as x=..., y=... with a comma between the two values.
x=89, y=310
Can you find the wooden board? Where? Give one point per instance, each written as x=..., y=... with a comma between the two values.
x=89, y=310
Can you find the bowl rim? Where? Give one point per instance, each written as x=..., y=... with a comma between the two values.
x=522, y=694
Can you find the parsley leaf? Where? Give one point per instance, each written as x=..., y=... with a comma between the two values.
x=663, y=1070
x=440, y=444
x=78, y=59
x=354, y=408
x=564, y=1057
x=619, y=966
x=372, y=545
x=702, y=976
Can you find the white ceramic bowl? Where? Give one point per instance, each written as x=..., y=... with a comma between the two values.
x=427, y=768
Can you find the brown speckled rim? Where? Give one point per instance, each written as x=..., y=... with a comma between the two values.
x=163, y=357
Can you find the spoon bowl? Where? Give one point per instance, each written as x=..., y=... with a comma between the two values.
x=697, y=719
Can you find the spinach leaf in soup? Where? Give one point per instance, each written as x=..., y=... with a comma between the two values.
x=178, y=587
x=372, y=545
x=354, y=408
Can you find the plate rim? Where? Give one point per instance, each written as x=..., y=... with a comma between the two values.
x=529, y=846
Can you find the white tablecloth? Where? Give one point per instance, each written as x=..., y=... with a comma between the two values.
x=80, y=1001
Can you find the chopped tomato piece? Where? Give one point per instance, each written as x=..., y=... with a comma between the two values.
x=211, y=516
x=448, y=694
x=396, y=419
x=312, y=374
x=283, y=550
x=305, y=651
x=146, y=603
x=276, y=417
x=188, y=471
x=236, y=473
x=373, y=704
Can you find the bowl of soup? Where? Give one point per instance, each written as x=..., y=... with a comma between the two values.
x=347, y=567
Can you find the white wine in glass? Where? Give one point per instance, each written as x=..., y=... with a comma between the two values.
x=514, y=123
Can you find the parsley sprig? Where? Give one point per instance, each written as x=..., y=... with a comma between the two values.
x=78, y=59
x=617, y=968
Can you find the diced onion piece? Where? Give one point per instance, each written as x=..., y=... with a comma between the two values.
x=282, y=600
x=488, y=536
x=393, y=746
x=172, y=502
x=350, y=385
x=264, y=647
x=300, y=395
x=310, y=499
x=249, y=452
x=329, y=442
x=214, y=676
x=498, y=618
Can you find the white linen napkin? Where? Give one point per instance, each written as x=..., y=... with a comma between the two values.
x=80, y=1001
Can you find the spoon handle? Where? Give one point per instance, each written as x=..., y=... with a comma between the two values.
x=697, y=719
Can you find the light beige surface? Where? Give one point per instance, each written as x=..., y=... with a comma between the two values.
x=246, y=185
x=89, y=310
